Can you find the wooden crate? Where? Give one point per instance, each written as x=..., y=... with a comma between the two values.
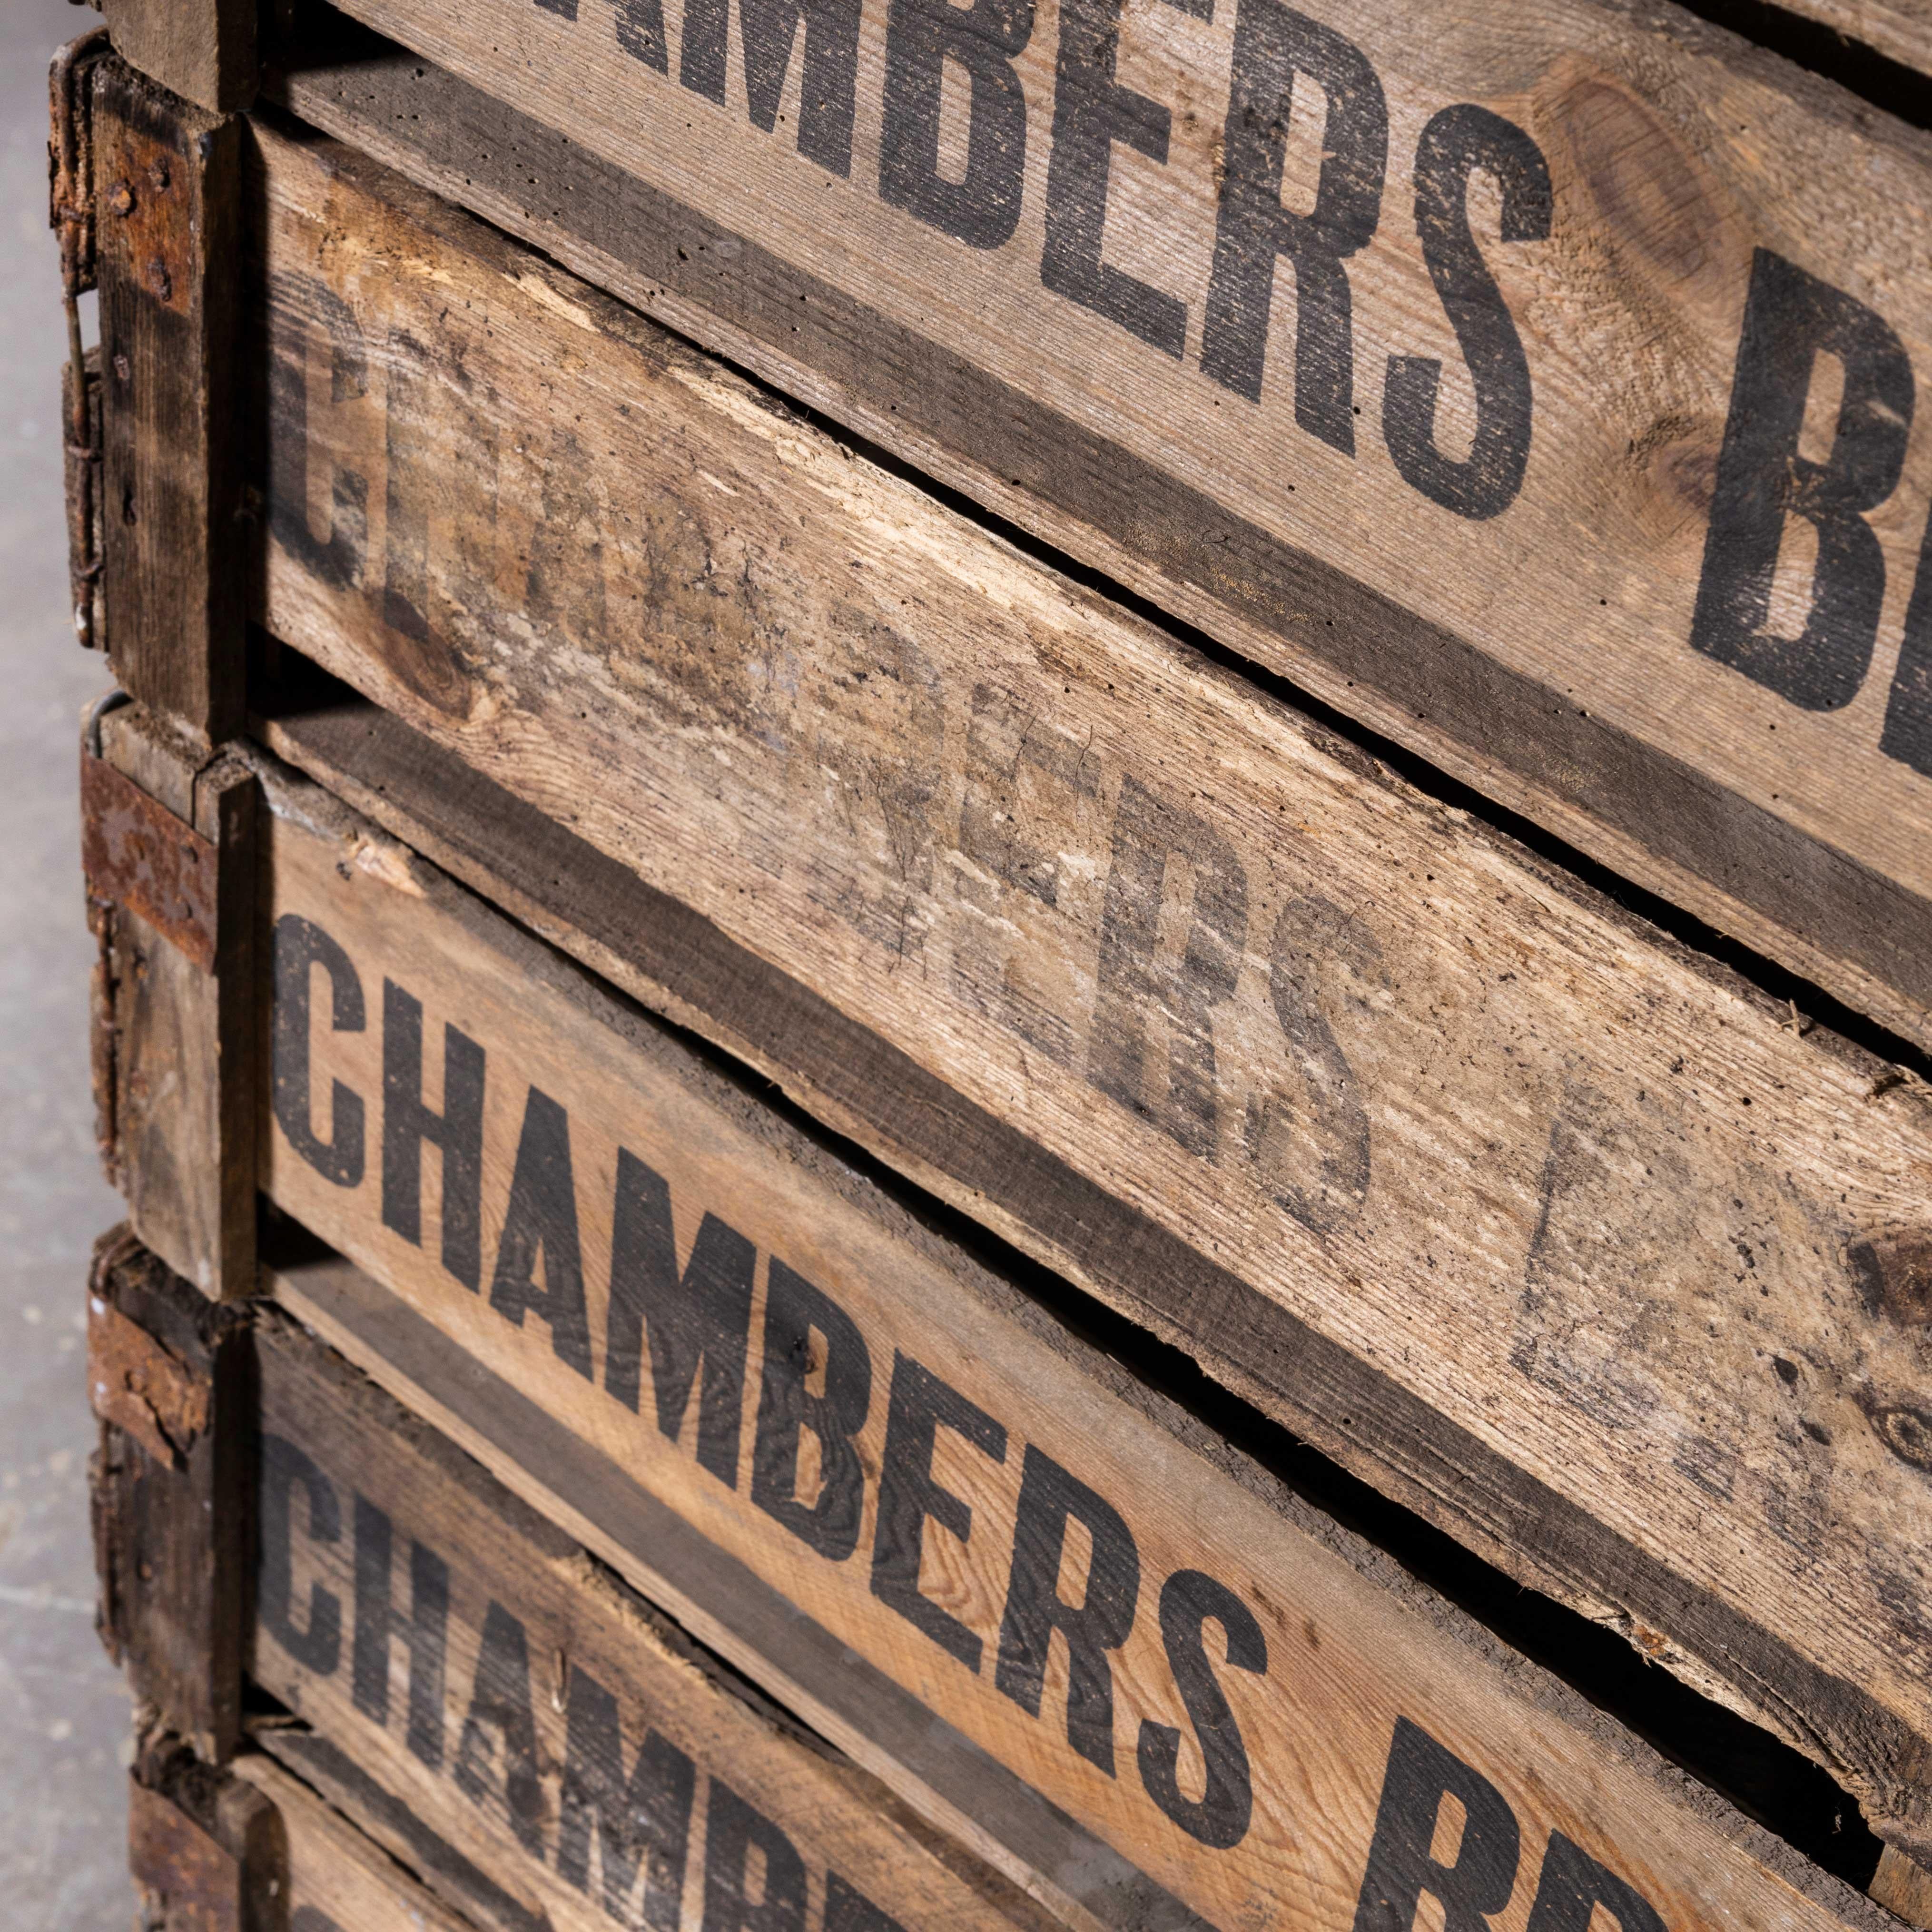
x=1061, y=1621
x=1507, y=481
x=534, y=1738
x=251, y=1848
x=1578, y=1245
x=601, y=685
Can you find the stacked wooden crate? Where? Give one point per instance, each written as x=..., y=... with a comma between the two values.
x=1015, y=955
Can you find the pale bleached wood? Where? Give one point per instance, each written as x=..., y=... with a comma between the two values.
x=1351, y=1643
x=1543, y=653
x=1640, y=1243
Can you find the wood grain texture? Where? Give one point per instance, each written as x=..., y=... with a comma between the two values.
x=862, y=1471
x=334, y=1878
x=168, y=177
x=403, y=1686
x=1901, y=30
x=1487, y=1188
x=171, y=1528
x=173, y=1010
x=1543, y=652
x=204, y=50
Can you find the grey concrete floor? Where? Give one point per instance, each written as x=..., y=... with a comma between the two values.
x=64, y=1716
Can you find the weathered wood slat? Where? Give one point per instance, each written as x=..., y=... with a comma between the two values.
x=1543, y=1225
x=167, y=178
x=169, y=1377
x=967, y=1549
x=334, y=1878
x=1900, y=30
x=504, y=1691
x=168, y=848
x=1495, y=541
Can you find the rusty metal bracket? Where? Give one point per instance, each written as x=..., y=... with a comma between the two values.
x=70, y=214
x=134, y=1383
x=185, y=1877
x=136, y=853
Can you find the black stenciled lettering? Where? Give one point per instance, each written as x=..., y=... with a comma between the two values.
x=1421, y=1773
x=304, y=308
x=1272, y=44
x=318, y=1647
x=1324, y=1116
x=847, y=1909
x=981, y=40
x=1013, y=756
x=424, y=1632
x=1791, y=318
x=1574, y=1884
x=641, y=28
x=700, y=1318
x=640, y=1820
x=563, y=583
x=1456, y=143
x=457, y=1132
x=828, y=87
x=542, y=1218
x=1005, y=738
x=640, y=32
x=1189, y=1601
x=1907, y=734
x=796, y=1311
x=1091, y=111
x=1099, y=1623
x=497, y=1764
x=1134, y=983
x=919, y=1406
x=731, y=1829
x=300, y=945
x=441, y=451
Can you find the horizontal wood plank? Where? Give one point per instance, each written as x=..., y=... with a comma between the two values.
x=334, y=1877
x=974, y=1554
x=1509, y=1204
x=503, y=1691
x=1563, y=546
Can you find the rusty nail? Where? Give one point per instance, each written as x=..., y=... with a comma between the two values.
x=121, y=198
x=158, y=174
x=159, y=280
x=123, y=368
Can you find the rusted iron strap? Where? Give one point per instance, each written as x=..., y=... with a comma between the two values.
x=185, y=1878
x=141, y=1387
x=138, y=854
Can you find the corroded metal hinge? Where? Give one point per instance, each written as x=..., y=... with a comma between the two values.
x=70, y=214
x=141, y=1387
x=136, y=853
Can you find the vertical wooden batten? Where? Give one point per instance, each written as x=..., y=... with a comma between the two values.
x=167, y=175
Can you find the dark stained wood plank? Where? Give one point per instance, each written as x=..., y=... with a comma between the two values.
x=167, y=175
x=172, y=867
x=172, y=1489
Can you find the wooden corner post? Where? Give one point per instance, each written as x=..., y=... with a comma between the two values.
x=170, y=1378
x=207, y=51
x=169, y=848
x=167, y=180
